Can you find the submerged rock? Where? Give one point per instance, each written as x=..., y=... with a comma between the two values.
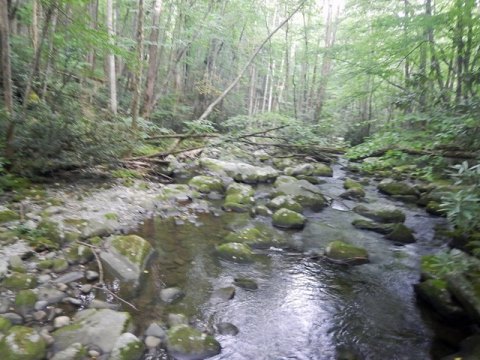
x=207, y=184
x=353, y=194
x=100, y=328
x=303, y=192
x=287, y=219
x=235, y=252
x=245, y=283
x=224, y=294
x=342, y=252
x=126, y=256
x=22, y=343
x=226, y=328
x=186, y=342
x=372, y=226
x=381, y=214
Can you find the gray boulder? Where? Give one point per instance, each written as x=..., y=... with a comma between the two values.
x=302, y=191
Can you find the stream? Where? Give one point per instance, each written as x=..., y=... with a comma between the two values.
x=305, y=307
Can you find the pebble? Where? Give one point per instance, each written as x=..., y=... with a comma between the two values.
x=62, y=287
x=40, y=315
x=86, y=288
x=155, y=330
x=44, y=278
x=61, y=321
x=91, y=275
x=73, y=301
x=93, y=354
x=40, y=305
x=152, y=341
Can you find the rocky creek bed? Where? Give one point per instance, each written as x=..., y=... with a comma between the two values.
x=242, y=258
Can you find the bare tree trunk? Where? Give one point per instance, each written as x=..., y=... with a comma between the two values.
x=253, y=86
x=112, y=78
x=7, y=78
x=149, y=97
x=137, y=76
x=48, y=67
x=210, y=108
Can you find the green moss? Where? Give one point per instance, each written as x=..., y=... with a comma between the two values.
x=346, y=253
x=396, y=188
x=111, y=216
x=133, y=351
x=8, y=215
x=22, y=343
x=401, y=234
x=351, y=184
x=59, y=265
x=133, y=247
x=236, y=252
x=189, y=342
x=79, y=254
x=25, y=298
x=9, y=182
x=207, y=184
x=76, y=223
x=372, y=226
x=5, y=324
x=19, y=281
x=126, y=174
x=45, y=264
x=322, y=170
x=285, y=202
x=50, y=230
x=384, y=215
x=288, y=219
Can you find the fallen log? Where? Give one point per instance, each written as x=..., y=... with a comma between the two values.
x=442, y=153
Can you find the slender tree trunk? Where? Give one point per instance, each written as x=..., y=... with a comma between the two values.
x=137, y=77
x=251, y=97
x=112, y=78
x=48, y=67
x=149, y=97
x=7, y=78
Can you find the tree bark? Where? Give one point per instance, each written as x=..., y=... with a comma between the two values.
x=137, y=77
x=112, y=78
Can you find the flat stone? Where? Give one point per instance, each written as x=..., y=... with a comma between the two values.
x=152, y=341
x=170, y=295
x=69, y=277
x=91, y=275
x=49, y=295
x=61, y=321
x=14, y=318
x=155, y=330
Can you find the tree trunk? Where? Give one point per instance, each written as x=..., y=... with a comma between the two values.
x=112, y=78
x=137, y=76
x=149, y=97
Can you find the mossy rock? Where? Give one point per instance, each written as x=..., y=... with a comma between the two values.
x=239, y=198
x=50, y=231
x=79, y=254
x=303, y=192
x=19, y=281
x=391, y=187
x=76, y=351
x=207, y=184
x=381, y=214
x=23, y=343
x=133, y=247
x=256, y=237
x=7, y=215
x=372, y=226
x=434, y=208
x=284, y=202
x=302, y=169
x=353, y=194
x=45, y=264
x=59, y=265
x=351, y=184
x=341, y=252
x=235, y=252
x=186, y=342
x=311, y=179
x=245, y=283
x=175, y=192
x=127, y=347
x=5, y=325
x=320, y=169
x=25, y=301
x=287, y=219
x=401, y=234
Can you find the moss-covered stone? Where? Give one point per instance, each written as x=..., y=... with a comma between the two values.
x=287, y=219
x=285, y=202
x=239, y=198
x=435, y=208
x=127, y=347
x=186, y=342
x=25, y=301
x=256, y=237
x=391, y=187
x=5, y=324
x=303, y=192
x=320, y=169
x=175, y=192
x=235, y=252
x=245, y=283
x=7, y=215
x=401, y=234
x=133, y=247
x=381, y=214
x=76, y=351
x=344, y=253
x=50, y=231
x=79, y=254
x=353, y=194
x=19, y=281
x=351, y=184
x=59, y=265
x=207, y=184
x=22, y=343
x=372, y=226
x=45, y=264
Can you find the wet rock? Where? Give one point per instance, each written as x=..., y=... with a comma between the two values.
x=100, y=328
x=303, y=192
x=353, y=194
x=69, y=277
x=256, y=237
x=302, y=169
x=86, y=288
x=344, y=253
x=79, y=254
x=59, y=265
x=397, y=188
x=126, y=257
x=91, y=275
x=261, y=210
x=226, y=328
x=372, y=226
x=401, y=234
x=156, y=330
x=19, y=281
x=23, y=343
x=349, y=184
x=75, y=351
x=287, y=219
x=435, y=292
x=39, y=315
x=239, y=198
x=466, y=289
x=383, y=214
x=99, y=228
x=179, y=193
x=207, y=184
x=240, y=171
x=127, y=347
x=184, y=341
x=152, y=341
x=469, y=349
x=25, y=301
x=224, y=294
x=235, y=252
x=176, y=319
x=434, y=208
x=4, y=305
x=320, y=169
x=170, y=295
x=284, y=202
x=244, y=283
x=49, y=296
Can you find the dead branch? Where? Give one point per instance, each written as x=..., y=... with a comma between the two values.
x=438, y=152
x=182, y=136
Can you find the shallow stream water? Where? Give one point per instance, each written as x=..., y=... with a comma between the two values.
x=305, y=308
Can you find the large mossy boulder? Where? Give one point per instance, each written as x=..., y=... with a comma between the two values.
x=341, y=252
x=22, y=343
x=309, y=170
x=19, y=281
x=288, y=219
x=239, y=198
x=397, y=188
x=286, y=202
x=185, y=342
x=235, y=252
x=257, y=237
x=381, y=214
x=320, y=169
x=401, y=234
x=302, y=191
x=101, y=328
x=351, y=184
x=239, y=171
x=127, y=347
x=372, y=226
x=466, y=289
x=126, y=256
x=207, y=184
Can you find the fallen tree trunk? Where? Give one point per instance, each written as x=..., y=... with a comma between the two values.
x=443, y=153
